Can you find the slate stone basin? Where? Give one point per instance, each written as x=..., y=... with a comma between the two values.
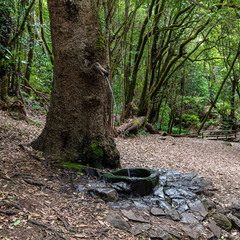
x=141, y=181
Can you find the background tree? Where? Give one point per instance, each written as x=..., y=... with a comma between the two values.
x=150, y=45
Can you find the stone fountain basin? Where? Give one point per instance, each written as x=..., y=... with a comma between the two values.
x=142, y=181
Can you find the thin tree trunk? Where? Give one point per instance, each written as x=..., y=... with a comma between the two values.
x=219, y=91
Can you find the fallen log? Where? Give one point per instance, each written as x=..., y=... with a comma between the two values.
x=183, y=135
x=131, y=127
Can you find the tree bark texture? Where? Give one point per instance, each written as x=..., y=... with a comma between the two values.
x=77, y=122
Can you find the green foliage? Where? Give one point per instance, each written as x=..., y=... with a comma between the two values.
x=190, y=83
x=190, y=120
x=143, y=132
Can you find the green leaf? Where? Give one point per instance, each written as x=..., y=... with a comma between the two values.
x=16, y=222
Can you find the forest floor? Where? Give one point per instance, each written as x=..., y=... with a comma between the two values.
x=39, y=202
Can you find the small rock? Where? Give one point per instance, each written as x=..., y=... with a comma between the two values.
x=180, y=205
x=140, y=205
x=235, y=209
x=164, y=205
x=189, y=218
x=132, y=216
x=190, y=233
x=180, y=193
x=117, y=222
x=107, y=194
x=235, y=221
x=159, y=192
x=214, y=228
x=198, y=207
x=198, y=228
x=138, y=229
x=159, y=235
x=222, y=221
x=205, y=186
x=208, y=204
x=157, y=212
x=173, y=213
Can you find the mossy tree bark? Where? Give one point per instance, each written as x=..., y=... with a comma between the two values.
x=77, y=122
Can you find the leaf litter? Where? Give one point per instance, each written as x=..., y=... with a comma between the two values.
x=56, y=211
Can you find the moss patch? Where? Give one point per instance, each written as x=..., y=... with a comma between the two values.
x=222, y=221
x=136, y=121
x=70, y=165
x=97, y=150
x=101, y=41
x=95, y=154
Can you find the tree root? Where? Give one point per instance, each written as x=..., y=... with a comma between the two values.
x=9, y=204
x=47, y=227
x=35, y=183
x=10, y=211
x=66, y=225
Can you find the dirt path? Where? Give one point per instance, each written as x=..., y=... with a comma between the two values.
x=44, y=205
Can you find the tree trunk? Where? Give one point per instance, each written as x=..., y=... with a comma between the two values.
x=77, y=122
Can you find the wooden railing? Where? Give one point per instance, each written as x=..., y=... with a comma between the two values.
x=219, y=134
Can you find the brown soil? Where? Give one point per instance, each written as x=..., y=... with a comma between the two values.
x=44, y=205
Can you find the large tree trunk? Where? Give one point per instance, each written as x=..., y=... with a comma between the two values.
x=77, y=122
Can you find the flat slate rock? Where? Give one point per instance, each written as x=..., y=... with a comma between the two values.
x=188, y=218
x=214, y=228
x=172, y=212
x=157, y=212
x=160, y=235
x=129, y=214
x=235, y=221
x=235, y=209
x=180, y=193
x=198, y=207
x=107, y=194
x=140, y=228
x=159, y=192
x=190, y=233
x=180, y=204
x=117, y=222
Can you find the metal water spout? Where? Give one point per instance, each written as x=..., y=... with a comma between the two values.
x=104, y=73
